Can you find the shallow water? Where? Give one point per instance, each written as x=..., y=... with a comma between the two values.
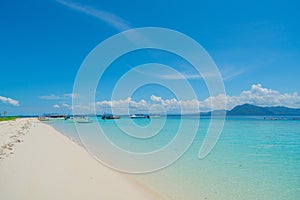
x=253, y=159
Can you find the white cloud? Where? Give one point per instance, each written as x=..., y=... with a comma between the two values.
x=213, y=103
x=123, y=106
x=268, y=97
x=257, y=95
x=156, y=98
x=175, y=105
x=115, y=103
x=56, y=106
x=9, y=101
x=110, y=18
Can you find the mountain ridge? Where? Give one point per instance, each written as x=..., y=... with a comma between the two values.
x=253, y=110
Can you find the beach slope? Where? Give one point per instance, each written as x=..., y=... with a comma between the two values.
x=44, y=164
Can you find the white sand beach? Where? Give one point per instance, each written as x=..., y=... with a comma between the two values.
x=37, y=162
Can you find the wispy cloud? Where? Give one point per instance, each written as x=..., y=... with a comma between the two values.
x=59, y=97
x=109, y=18
x=230, y=72
x=71, y=95
x=62, y=105
x=184, y=72
x=226, y=75
x=177, y=76
x=169, y=73
x=50, y=97
x=181, y=76
x=9, y=101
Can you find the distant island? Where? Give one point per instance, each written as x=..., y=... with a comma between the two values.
x=253, y=110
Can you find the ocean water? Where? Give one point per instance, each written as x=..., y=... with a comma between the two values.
x=253, y=158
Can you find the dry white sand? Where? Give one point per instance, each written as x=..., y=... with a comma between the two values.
x=40, y=163
x=11, y=133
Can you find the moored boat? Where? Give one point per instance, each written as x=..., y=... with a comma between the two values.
x=43, y=118
x=110, y=116
x=135, y=116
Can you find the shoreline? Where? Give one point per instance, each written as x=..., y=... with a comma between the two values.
x=128, y=176
x=46, y=164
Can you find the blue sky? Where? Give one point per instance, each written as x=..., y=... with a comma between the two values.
x=255, y=44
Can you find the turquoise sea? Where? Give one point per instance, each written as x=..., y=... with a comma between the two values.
x=253, y=159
